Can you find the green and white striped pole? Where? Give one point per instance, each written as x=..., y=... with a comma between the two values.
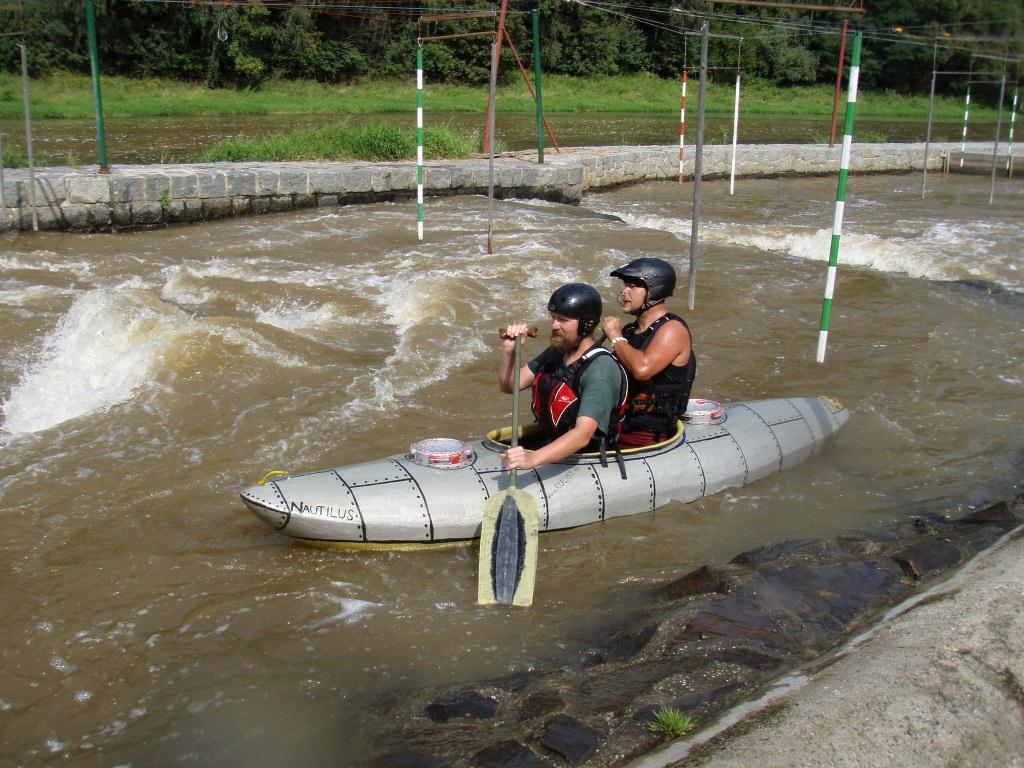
x=844, y=172
x=419, y=142
x=967, y=114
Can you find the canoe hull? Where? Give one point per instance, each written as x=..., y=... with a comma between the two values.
x=398, y=500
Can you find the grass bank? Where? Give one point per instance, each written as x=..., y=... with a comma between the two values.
x=374, y=142
x=70, y=96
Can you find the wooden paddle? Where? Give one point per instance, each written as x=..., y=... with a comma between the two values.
x=508, y=533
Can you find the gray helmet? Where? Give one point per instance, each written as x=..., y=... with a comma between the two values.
x=657, y=276
x=580, y=301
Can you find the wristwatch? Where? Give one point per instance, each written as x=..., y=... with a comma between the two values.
x=617, y=339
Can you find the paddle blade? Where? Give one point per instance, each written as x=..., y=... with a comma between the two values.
x=508, y=549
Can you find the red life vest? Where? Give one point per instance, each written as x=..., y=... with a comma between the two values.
x=556, y=398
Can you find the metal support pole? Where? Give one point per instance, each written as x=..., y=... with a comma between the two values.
x=535, y=18
x=839, y=84
x=94, y=64
x=28, y=138
x=490, y=144
x=698, y=162
x=1009, y=141
x=931, y=109
x=837, y=223
x=3, y=200
x=500, y=36
x=995, y=144
x=419, y=142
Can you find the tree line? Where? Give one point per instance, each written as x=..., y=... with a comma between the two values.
x=243, y=43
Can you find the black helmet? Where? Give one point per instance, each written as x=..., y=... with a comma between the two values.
x=657, y=276
x=580, y=301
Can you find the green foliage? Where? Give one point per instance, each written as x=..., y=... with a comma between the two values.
x=671, y=723
x=373, y=142
x=14, y=158
x=248, y=43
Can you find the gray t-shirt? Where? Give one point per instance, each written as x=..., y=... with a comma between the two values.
x=600, y=383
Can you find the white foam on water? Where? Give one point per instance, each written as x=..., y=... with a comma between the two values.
x=44, y=261
x=299, y=317
x=109, y=345
x=31, y=294
x=943, y=250
x=408, y=301
x=351, y=610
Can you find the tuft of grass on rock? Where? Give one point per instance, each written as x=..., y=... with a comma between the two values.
x=14, y=159
x=671, y=723
x=370, y=142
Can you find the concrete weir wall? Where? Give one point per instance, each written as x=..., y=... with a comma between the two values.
x=144, y=196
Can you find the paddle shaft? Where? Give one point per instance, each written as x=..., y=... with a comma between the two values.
x=516, y=365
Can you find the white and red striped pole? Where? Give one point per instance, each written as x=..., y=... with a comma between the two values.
x=682, y=128
x=419, y=142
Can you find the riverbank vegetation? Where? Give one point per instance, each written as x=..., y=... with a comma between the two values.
x=245, y=44
x=373, y=142
x=65, y=95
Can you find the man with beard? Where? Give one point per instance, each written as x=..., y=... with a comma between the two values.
x=579, y=390
x=656, y=351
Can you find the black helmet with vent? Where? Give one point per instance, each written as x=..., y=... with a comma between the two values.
x=656, y=275
x=580, y=301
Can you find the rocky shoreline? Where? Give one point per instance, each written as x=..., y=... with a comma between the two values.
x=704, y=643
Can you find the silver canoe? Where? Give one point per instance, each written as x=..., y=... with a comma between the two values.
x=397, y=499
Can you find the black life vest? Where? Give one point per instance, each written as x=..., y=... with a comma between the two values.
x=556, y=398
x=657, y=404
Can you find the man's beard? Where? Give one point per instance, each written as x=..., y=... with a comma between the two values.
x=562, y=345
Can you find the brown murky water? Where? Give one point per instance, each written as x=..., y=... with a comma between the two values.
x=150, y=620
x=181, y=139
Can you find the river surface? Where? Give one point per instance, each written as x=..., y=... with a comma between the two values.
x=182, y=139
x=150, y=620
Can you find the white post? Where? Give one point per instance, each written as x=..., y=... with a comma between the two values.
x=735, y=134
x=419, y=142
x=1009, y=145
x=967, y=114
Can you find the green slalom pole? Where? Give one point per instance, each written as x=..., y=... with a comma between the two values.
x=844, y=172
x=419, y=142
x=94, y=63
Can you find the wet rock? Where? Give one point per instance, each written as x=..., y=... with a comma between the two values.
x=862, y=548
x=508, y=754
x=540, y=703
x=628, y=643
x=996, y=514
x=788, y=550
x=472, y=705
x=827, y=596
x=745, y=657
x=612, y=689
x=706, y=579
x=698, y=644
x=409, y=760
x=570, y=738
x=688, y=703
x=926, y=558
x=736, y=619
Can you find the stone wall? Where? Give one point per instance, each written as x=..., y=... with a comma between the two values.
x=140, y=196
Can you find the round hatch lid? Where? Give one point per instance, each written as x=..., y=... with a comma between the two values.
x=701, y=411
x=441, y=452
